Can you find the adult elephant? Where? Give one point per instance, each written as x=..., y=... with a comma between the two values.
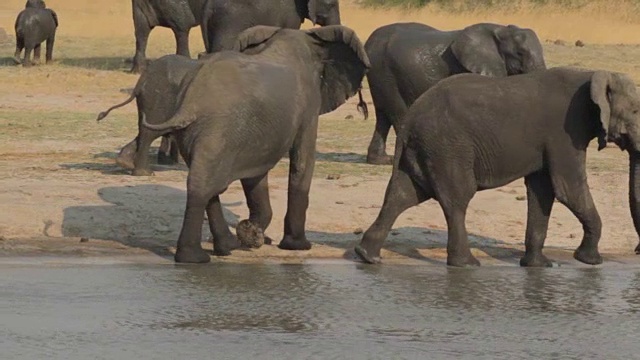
x=409, y=58
x=242, y=111
x=223, y=20
x=178, y=15
x=472, y=132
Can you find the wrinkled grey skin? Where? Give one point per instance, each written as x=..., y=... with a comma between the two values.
x=155, y=94
x=240, y=113
x=470, y=133
x=34, y=25
x=223, y=20
x=409, y=58
x=178, y=15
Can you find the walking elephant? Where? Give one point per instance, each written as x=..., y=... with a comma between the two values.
x=409, y=58
x=470, y=133
x=178, y=15
x=223, y=20
x=155, y=94
x=34, y=25
x=241, y=111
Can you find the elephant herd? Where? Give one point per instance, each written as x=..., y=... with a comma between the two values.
x=472, y=109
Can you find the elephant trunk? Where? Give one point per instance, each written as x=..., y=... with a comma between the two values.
x=178, y=121
x=634, y=190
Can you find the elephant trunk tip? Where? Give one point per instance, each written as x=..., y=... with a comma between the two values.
x=362, y=106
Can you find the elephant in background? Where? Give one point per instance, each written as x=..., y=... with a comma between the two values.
x=34, y=25
x=470, y=133
x=223, y=20
x=241, y=111
x=155, y=94
x=409, y=58
x=178, y=15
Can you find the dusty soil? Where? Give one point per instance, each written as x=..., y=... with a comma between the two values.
x=59, y=183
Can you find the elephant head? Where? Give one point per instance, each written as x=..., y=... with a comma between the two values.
x=339, y=52
x=38, y=4
x=496, y=50
x=324, y=12
x=617, y=98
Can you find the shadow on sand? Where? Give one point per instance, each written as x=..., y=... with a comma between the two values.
x=138, y=216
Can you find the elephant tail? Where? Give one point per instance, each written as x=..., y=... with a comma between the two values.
x=104, y=114
x=176, y=122
x=362, y=106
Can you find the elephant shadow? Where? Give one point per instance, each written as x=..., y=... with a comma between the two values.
x=409, y=241
x=7, y=61
x=115, y=63
x=141, y=216
x=114, y=169
x=348, y=157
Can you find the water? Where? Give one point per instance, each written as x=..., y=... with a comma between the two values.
x=317, y=311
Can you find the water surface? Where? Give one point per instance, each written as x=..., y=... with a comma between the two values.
x=318, y=311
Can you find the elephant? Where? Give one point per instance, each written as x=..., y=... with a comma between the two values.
x=242, y=110
x=409, y=58
x=471, y=132
x=155, y=94
x=223, y=20
x=178, y=15
x=35, y=24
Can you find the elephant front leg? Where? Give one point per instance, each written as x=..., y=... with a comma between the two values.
x=26, y=62
x=251, y=231
x=540, y=198
x=182, y=43
x=189, y=248
x=19, y=47
x=302, y=162
x=142, y=31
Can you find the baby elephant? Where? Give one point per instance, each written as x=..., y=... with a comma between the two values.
x=34, y=25
x=472, y=132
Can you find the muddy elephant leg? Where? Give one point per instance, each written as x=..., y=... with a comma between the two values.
x=301, y=164
x=401, y=194
x=142, y=31
x=167, y=153
x=251, y=231
x=376, y=154
x=540, y=198
x=26, y=62
x=182, y=42
x=49, y=55
x=127, y=154
x=141, y=161
x=19, y=47
x=572, y=190
x=223, y=240
x=36, y=53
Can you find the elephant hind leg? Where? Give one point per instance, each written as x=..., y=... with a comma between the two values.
x=376, y=153
x=540, y=198
x=26, y=62
x=401, y=194
x=19, y=47
x=49, y=54
x=36, y=53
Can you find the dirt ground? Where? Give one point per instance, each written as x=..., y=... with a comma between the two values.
x=59, y=183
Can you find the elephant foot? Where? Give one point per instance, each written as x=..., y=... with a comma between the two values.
x=638, y=249
x=125, y=163
x=535, y=260
x=249, y=234
x=142, y=172
x=164, y=159
x=383, y=159
x=289, y=243
x=268, y=240
x=223, y=247
x=589, y=256
x=369, y=256
x=462, y=260
x=192, y=255
x=17, y=60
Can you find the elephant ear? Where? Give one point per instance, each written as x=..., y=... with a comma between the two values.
x=344, y=64
x=254, y=37
x=601, y=95
x=476, y=49
x=55, y=16
x=313, y=10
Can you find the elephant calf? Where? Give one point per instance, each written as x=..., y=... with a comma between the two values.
x=155, y=94
x=471, y=132
x=34, y=25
